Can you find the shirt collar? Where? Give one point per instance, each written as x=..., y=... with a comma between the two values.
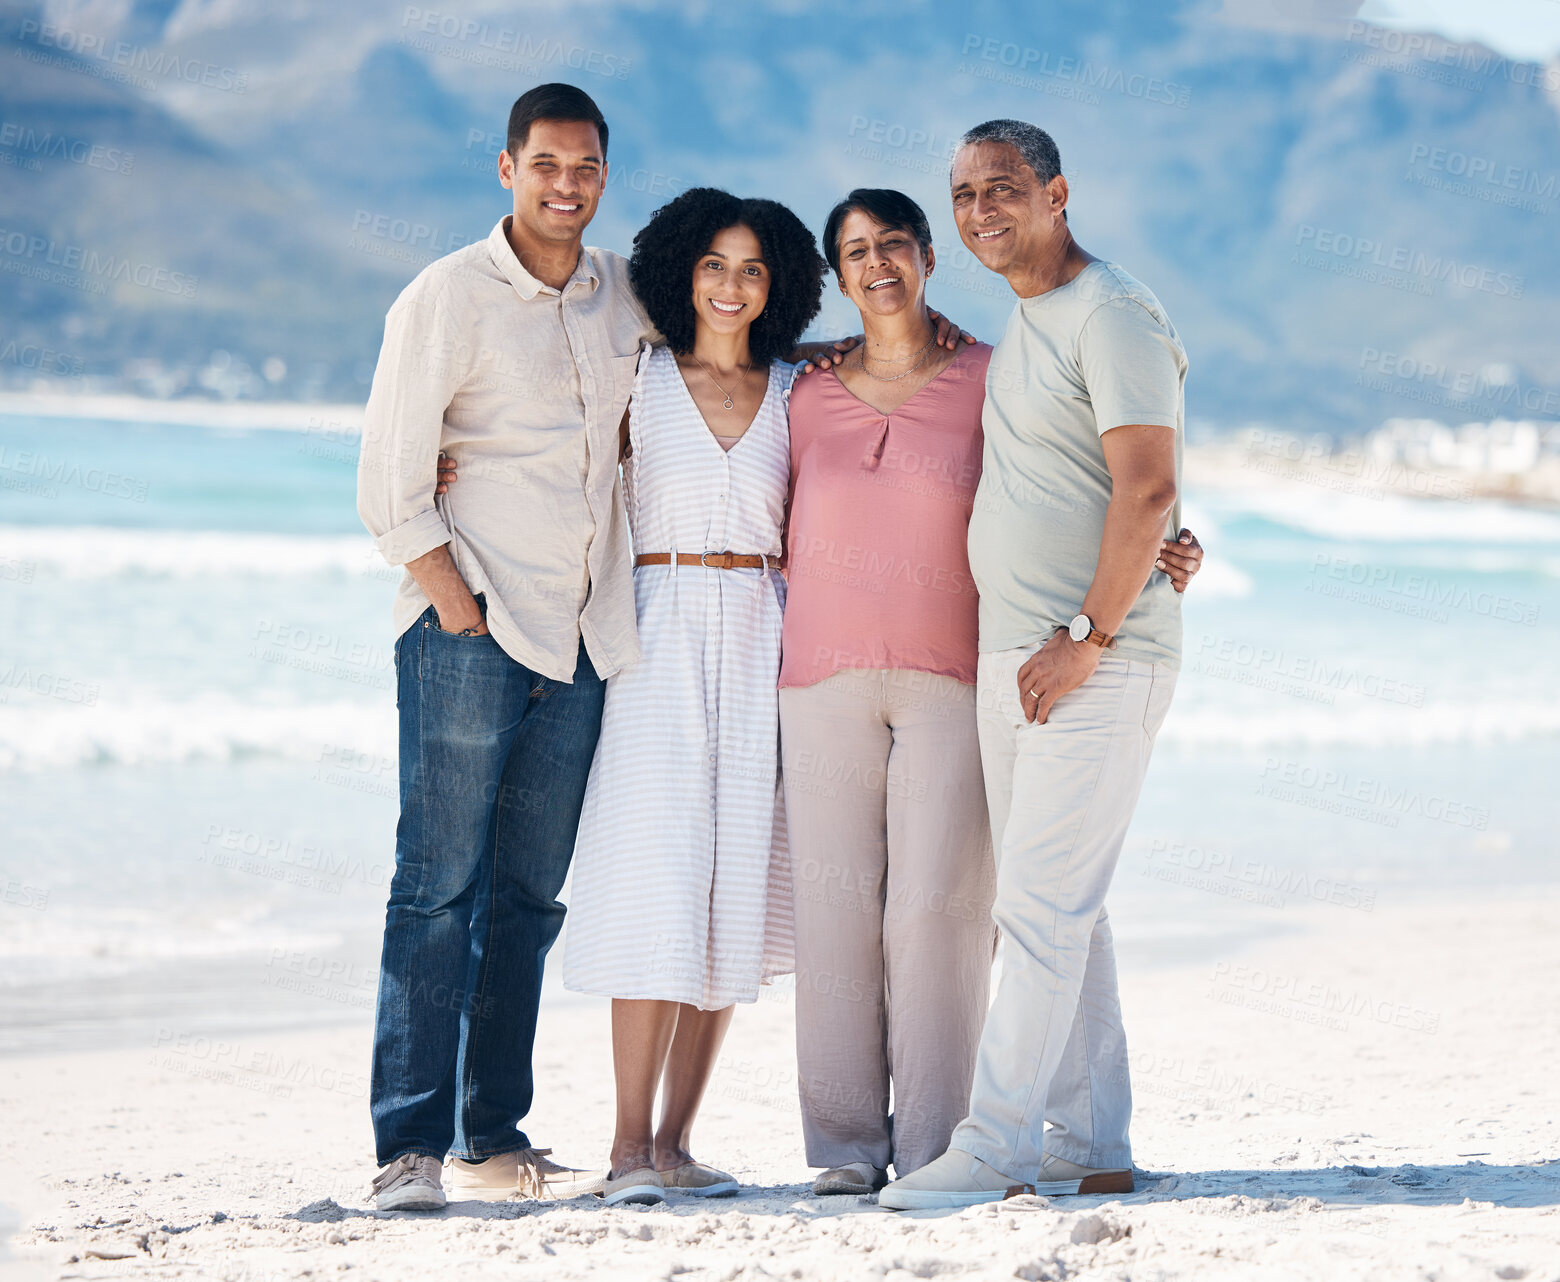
x=526, y=285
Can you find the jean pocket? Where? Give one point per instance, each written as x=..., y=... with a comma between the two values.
x=432, y=624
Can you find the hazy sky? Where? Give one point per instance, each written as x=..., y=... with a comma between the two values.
x=1518, y=28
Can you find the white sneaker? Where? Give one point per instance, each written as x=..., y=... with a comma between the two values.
x=529, y=1172
x=410, y=1183
x=1058, y=1175
x=955, y=1179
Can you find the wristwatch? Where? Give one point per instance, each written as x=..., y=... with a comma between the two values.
x=1082, y=629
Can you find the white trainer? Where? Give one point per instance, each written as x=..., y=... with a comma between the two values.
x=955, y=1179
x=410, y=1183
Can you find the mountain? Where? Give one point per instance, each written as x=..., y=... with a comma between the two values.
x=221, y=197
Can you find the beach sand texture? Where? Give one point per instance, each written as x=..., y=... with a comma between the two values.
x=1372, y=1097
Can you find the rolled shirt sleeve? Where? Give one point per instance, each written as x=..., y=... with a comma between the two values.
x=1133, y=366
x=419, y=372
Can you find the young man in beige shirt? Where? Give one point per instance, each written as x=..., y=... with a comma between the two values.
x=519, y=352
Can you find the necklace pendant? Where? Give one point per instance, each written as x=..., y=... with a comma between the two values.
x=727, y=404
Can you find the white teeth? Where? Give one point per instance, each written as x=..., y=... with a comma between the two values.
x=987, y=235
x=887, y=280
x=728, y=308
x=567, y=209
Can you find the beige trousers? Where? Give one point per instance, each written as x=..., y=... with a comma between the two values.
x=1061, y=795
x=893, y=876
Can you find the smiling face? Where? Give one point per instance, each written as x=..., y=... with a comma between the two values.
x=882, y=269
x=557, y=176
x=1006, y=216
x=730, y=281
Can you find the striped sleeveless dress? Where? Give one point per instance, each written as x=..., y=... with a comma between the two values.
x=681, y=881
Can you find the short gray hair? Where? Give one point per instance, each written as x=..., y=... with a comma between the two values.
x=1036, y=146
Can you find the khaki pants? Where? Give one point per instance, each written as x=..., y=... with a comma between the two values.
x=893, y=876
x=1061, y=797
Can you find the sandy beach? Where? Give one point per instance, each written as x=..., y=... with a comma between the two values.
x=1369, y=1096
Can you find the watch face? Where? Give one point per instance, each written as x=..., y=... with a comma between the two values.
x=1080, y=628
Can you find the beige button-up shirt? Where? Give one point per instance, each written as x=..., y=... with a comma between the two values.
x=525, y=385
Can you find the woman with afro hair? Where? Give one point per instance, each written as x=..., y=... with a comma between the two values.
x=682, y=893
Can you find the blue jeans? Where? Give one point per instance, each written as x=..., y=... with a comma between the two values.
x=493, y=765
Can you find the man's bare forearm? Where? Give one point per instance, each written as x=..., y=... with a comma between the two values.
x=440, y=581
x=1134, y=529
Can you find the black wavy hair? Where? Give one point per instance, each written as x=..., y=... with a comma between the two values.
x=668, y=247
x=883, y=205
x=554, y=101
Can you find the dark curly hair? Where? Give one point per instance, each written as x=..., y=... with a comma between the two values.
x=668, y=247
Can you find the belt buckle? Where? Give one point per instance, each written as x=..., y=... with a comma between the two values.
x=704, y=560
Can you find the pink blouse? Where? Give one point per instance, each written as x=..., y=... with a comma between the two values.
x=879, y=574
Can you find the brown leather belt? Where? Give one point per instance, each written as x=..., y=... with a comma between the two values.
x=710, y=560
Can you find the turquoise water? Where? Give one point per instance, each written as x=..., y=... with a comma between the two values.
x=197, y=725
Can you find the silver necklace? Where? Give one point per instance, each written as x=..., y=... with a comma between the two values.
x=894, y=378
x=727, y=403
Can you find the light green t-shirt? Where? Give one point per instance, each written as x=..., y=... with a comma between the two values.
x=1093, y=354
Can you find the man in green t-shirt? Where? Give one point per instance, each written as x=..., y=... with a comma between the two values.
x=1080, y=640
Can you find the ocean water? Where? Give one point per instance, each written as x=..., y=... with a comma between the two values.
x=197, y=726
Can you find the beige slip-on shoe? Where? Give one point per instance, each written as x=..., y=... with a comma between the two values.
x=699, y=1180
x=642, y=1185
x=852, y=1177
x=527, y=1172
x=955, y=1179
x=1059, y=1176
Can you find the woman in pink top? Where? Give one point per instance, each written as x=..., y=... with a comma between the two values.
x=885, y=802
